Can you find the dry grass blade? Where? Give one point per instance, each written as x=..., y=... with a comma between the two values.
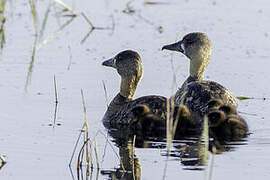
x=106, y=94
x=56, y=101
x=65, y=7
x=34, y=13
x=121, y=163
x=133, y=156
x=75, y=147
x=86, y=134
x=92, y=27
x=55, y=90
x=3, y=6
x=154, y=3
x=168, y=126
x=214, y=150
x=2, y=159
x=2, y=162
x=3, y=21
x=204, y=143
x=96, y=154
x=44, y=22
x=70, y=58
x=86, y=36
x=31, y=66
x=244, y=97
x=55, y=34
x=88, y=21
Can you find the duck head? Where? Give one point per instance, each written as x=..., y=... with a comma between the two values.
x=197, y=47
x=214, y=104
x=140, y=110
x=182, y=111
x=228, y=109
x=215, y=118
x=129, y=66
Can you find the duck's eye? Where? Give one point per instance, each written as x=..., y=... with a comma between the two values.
x=190, y=41
x=119, y=57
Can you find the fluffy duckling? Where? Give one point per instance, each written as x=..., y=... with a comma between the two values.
x=147, y=122
x=151, y=124
x=214, y=104
x=195, y=92
x=129, y=66
x=226, y=125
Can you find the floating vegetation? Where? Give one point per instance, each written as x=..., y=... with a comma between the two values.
x=3, y=21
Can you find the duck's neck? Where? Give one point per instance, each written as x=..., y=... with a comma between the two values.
x=128, y=87
x=127, y=91
x=198, y=65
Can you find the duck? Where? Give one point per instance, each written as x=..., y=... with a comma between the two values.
x=152, y=125
x=196, y=92
x=226, y=125
x=118, y=115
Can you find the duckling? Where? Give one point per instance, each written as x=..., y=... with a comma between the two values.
x=215, y=118
x=129, y=66
x=214, y=104
x=147, y=122
x=226, y=125
x=151, y=124
x=228, y=109
x=195, y=92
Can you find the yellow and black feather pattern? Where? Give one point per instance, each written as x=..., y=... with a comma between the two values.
x=196, y=95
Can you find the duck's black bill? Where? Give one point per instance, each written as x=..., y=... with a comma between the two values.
x=174, y=47
x=109, y=63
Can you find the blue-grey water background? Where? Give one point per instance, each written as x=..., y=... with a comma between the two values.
x=240, y=34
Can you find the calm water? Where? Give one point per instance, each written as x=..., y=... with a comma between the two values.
x=240, y=34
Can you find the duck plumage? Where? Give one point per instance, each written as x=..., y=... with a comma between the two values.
x=195, y=92
x=129, y=66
